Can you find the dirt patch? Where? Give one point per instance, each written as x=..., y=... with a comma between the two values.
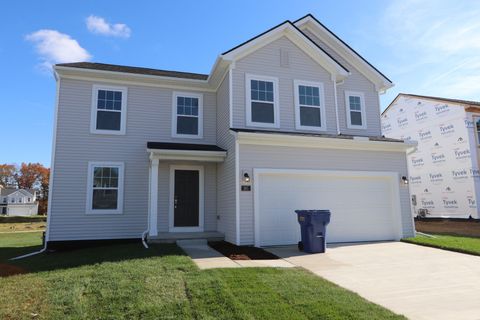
x=469, y=228
x=24, y=226
x=241, y=252
x=7, y=270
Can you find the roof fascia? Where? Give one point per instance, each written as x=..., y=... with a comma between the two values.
x=362, y=65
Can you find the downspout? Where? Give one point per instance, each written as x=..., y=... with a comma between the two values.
x=336, y=104
x=50, y=182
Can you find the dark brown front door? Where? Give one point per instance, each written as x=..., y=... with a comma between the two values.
x=186, y=199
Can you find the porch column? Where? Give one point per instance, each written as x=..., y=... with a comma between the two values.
x=153, y=197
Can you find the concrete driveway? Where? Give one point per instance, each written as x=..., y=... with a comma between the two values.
x=416, y=281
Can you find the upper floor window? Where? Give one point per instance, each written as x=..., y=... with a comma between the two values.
x=187, y=111
x=109, y=110
x=309, y=105
x=262, y=101
x=105, y=187
x=355, y=104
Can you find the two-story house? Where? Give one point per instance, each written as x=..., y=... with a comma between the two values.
x=287, y=120
x=18, y=202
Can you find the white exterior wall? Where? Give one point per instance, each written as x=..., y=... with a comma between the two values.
x=149, y=114
x=22, y=209
x=278, y=157
x=442, y=174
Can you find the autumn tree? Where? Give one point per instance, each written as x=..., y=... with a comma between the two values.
x=7, y=175
x=27, y=176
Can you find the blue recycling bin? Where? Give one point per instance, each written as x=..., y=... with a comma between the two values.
x=313, y=227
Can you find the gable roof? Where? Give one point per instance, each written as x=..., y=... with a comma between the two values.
x=286, y=28
x=470, y=103
x=310, y=18
x=134, y=70
x=8, y=191
x=211, y=81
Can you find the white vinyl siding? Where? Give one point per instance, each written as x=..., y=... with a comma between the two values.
x=149, y=119
x=356, y=81
x=266, y=61
x=226, y=186
x=355, y=110
x=309, y=105
x=109, y=110
x=278, y=157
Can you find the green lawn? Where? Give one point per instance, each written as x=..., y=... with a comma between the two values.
x=453, y=243
x=127, y=281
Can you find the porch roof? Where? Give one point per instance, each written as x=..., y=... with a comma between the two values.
x=186, y=151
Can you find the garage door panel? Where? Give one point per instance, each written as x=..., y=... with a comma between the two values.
x=361, y=206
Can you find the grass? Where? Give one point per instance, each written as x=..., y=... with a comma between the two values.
x=15, y=224
x=460, y=244
x=126, y=281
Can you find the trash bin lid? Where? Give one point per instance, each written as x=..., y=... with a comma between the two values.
x=313, y=212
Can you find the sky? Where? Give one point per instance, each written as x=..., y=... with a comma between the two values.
x=427, y=47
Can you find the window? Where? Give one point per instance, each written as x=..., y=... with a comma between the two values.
x=187, y=111
x=105, y=187
x=262, y=101
x=477, y=129
x=355, y=104
x=109, y=110
x=13, y=200
x=309, y=106
x=29, y=200
x=19, y=200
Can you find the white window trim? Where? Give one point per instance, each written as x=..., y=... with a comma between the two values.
x=199, y=96
x=319, y=85
x=123, y=112
x=362, y=112
x=89, y=204
x=248, y=100
x=201, y=199
x=476, y=117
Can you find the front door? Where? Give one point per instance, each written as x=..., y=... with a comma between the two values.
x=187, y=199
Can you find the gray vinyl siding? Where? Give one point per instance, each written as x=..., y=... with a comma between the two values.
x=266, y=62
x=354, y=82
x=210, y=193
x=226, y=202
x=255, y=156
x=148, y=119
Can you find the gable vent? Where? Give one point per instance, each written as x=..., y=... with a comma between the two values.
x=284, y=61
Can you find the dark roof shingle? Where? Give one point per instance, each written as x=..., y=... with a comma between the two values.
x=183, y=146
x=134, y=70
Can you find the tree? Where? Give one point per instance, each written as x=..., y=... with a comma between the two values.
x=7, y=175
x=27, y=176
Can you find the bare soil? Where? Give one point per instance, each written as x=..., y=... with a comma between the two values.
x=241, y=252
x=469, y=228
x=7, y=270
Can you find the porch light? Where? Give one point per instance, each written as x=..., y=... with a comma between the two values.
x=246, y=177
x=405, y=180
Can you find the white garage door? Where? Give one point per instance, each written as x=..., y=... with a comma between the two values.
x=364, y=206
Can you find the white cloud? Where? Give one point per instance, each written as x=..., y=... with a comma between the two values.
x=98, y=25
x=56, y=47
x=435, y=46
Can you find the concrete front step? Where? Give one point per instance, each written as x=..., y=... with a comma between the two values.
x=172, y=237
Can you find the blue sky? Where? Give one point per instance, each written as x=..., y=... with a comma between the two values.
x=426, y=47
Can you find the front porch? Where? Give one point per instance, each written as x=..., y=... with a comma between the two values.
x=182, y=192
